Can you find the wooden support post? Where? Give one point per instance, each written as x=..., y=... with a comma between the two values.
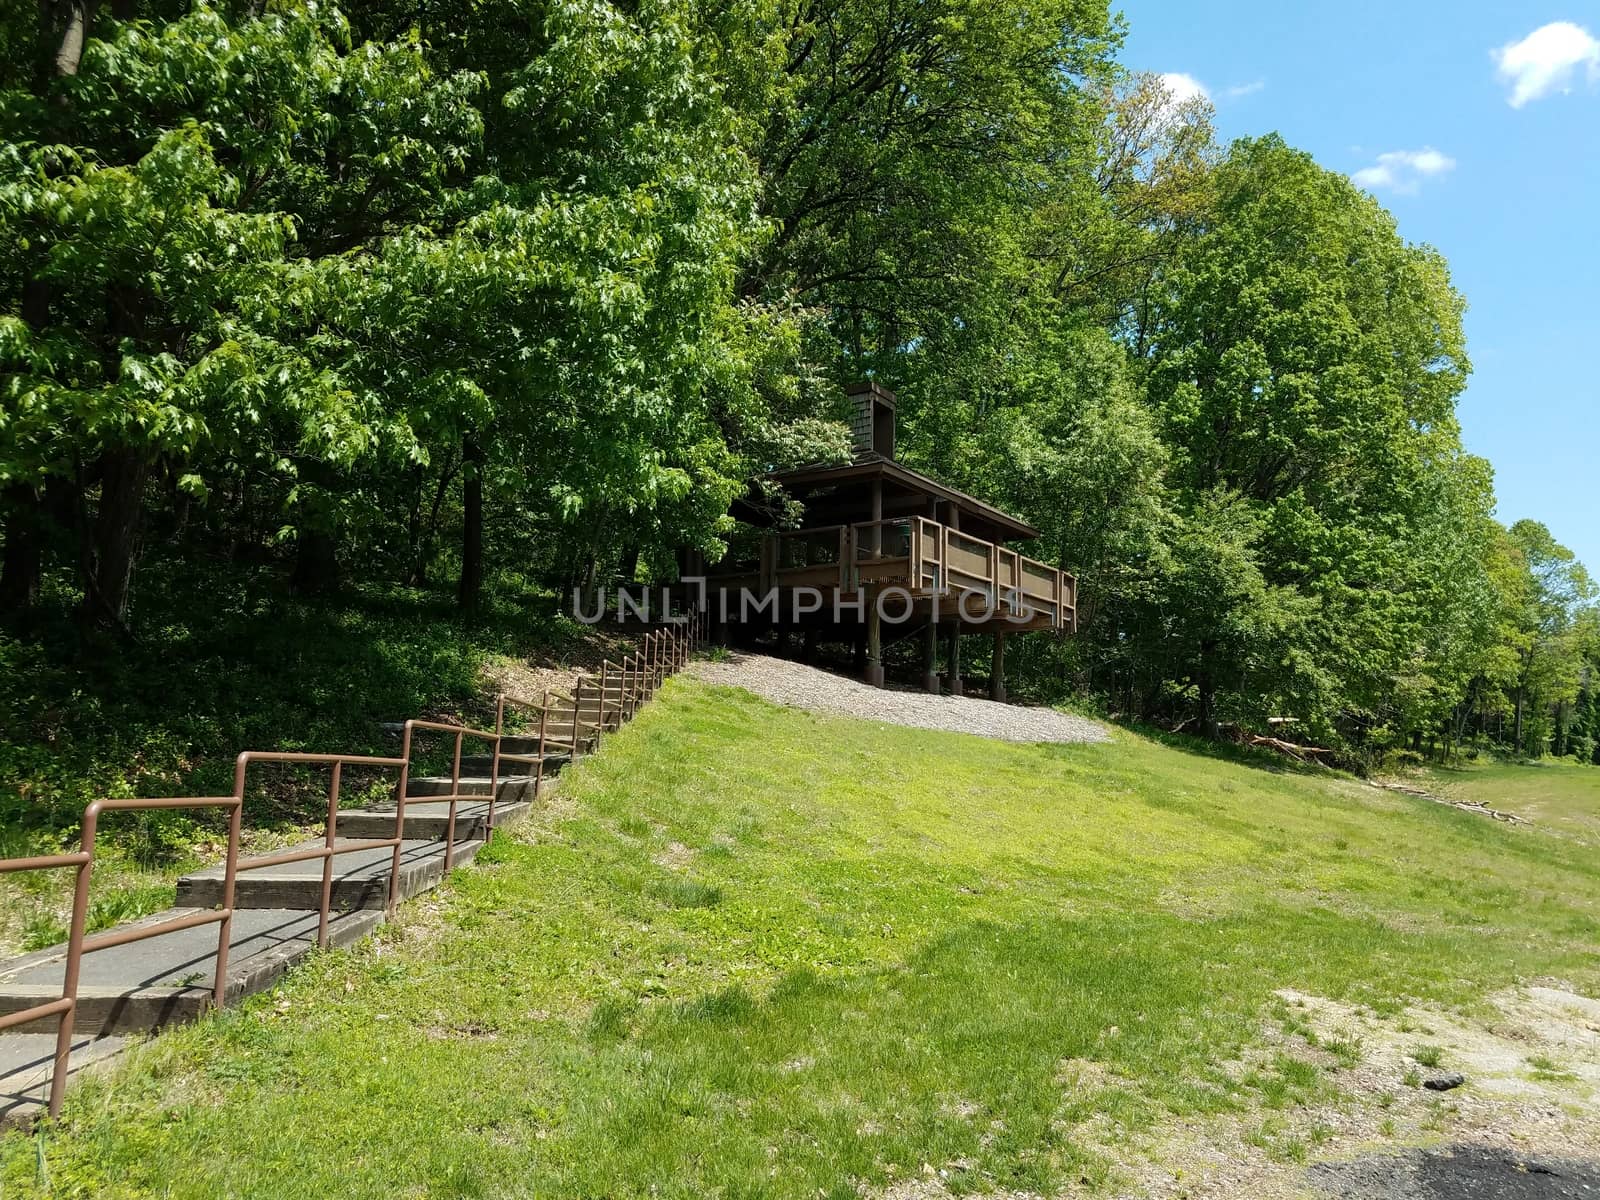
x=930, y=650
x=955, y=657
x=997, y=669
x=875, y=538
x=874, y=672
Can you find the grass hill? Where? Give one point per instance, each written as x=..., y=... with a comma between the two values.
x=753, y=951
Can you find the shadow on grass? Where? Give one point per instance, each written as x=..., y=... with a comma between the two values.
x=226, y=659
x=1255, y=757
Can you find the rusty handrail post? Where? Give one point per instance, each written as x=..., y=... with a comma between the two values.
x=326, y=903
x=577, y=701
x=544, y=717
x=401, y=788
x=70, y=974
x=455, y=792
x=230, y=880
x=494, y=766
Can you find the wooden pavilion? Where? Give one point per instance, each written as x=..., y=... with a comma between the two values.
x=890, y=550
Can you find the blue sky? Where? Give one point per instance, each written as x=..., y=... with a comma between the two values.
x=1478, y=125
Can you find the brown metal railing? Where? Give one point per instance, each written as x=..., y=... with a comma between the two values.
x=65, y=1009
x=331, y=848
x=631, y=683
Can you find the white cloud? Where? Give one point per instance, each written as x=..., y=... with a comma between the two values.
x=1241, y=90
x=1181, y=88
x=1547, y=60
x=1403, y=171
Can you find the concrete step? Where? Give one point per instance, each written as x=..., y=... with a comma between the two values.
x=360, y=878
x=524, y=743
x=428, y=820
x=165, y=979
x=168, y=978
x=478, y=766
x=26, y=1060
x=513, y=788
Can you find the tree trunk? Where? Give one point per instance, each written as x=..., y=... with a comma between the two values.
x=316, y=563
x=471, y=525
x=316, y=559
x=24, y=553
x=1206, y=686
x=69, y=51
x=1517, y=727
x=115, y=539
x=628, y=563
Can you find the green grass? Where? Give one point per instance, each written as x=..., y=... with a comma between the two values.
x=756, y=952
x=1558, y=794
x=1546, y=1069
x=1428, y=1056
x=227, y=660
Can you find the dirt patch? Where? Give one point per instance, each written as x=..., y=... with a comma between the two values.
x=676, y=857
x=1531, y=1094
x=1537, y=1049
x=526, y=682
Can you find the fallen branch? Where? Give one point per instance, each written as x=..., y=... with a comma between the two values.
x=1299, y=753
x=1465, y=805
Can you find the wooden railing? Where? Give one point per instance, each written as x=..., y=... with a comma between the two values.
x=924, y=556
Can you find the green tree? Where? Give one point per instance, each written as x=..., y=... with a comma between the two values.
x=169, y=185
x=1550, y=635
x=1303, y=364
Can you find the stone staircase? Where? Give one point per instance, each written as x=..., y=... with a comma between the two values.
x=145, y=981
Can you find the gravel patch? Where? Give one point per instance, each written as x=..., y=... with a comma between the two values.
x=800, y=686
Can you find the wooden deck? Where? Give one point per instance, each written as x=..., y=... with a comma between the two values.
x=947, y=573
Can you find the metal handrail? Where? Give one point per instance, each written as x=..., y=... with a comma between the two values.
x=65, y=1009
x=664, y=652
x=330, y=850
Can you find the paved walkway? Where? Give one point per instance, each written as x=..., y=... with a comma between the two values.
x=800, y=686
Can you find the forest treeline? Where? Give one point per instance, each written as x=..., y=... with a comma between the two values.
x=426, y=291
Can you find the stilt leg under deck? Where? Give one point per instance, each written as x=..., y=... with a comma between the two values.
x=930, y=654
x=874, y=671
x=997, y=669
x=955, y=657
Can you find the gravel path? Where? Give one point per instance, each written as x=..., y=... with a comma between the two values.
x=800, y=686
